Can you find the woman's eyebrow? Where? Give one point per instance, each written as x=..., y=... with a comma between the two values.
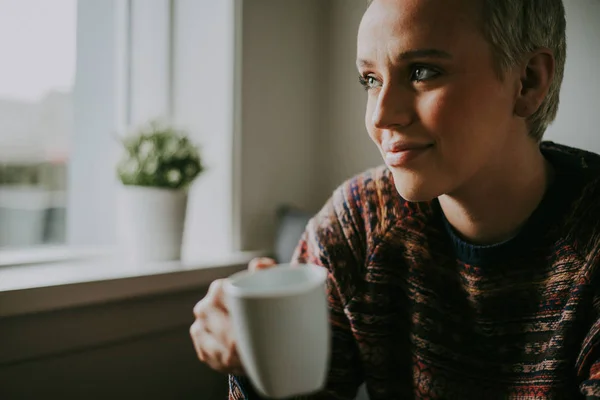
x=411, y=55
x=424, y=53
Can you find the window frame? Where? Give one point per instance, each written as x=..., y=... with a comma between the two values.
x=143, y=39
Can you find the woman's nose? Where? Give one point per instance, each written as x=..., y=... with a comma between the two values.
x=394, y=107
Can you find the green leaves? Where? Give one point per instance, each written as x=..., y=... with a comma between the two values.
x=159, y=156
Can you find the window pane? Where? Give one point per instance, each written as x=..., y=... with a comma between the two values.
x=37, y=47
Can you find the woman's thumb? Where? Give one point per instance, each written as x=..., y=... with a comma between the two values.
x=261, y=263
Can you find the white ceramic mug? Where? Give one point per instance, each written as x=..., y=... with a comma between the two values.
x=281, y=324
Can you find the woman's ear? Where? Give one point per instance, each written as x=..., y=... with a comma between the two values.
x=536, y=76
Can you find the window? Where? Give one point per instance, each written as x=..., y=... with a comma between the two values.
x=77, y=74
x=59, y=111
x=37, y=73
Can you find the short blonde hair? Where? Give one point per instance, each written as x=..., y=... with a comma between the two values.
x=515, y=28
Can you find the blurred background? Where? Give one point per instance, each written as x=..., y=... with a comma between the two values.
x=273, y=102
x=38, y=44
x=267, y=88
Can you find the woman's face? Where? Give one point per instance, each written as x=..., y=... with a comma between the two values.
x=436, y=108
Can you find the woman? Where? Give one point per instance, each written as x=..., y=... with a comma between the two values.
x=466, y=267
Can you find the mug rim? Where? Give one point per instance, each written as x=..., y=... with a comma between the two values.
x=231, y=287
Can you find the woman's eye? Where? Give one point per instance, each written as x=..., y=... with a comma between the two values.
x=369, y=82
x=421, y=73
x=372, y=82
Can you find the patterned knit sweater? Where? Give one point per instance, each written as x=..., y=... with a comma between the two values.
x=417, y=313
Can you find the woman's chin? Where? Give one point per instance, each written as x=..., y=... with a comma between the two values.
x=416, y=190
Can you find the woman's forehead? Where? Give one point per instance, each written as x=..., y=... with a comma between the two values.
x=395, y=26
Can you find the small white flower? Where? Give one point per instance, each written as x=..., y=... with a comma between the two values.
x=146, y=148
x=132, y=167
x=151, y=167
x=171, y=146
x=173, y=176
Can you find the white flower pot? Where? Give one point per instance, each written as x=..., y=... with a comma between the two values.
x=151, y=223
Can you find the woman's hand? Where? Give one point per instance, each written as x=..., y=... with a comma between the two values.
x=212, y=332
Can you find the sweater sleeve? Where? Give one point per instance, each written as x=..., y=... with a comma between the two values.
x=589, y=370
x=325, y=243
x=585, y=236
x=588, y=362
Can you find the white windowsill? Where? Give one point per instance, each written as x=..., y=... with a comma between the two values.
x=26, y=289
x=50, y=254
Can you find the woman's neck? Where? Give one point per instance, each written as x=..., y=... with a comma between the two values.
x=493, y=206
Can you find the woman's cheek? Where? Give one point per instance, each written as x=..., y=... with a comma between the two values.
x=438, y=112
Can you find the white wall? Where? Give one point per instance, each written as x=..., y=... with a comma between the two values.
x=577, y=123
x=283, y=89
x=203, y=71
x=348, y=149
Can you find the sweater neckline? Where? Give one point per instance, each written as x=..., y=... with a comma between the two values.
x=548, y=212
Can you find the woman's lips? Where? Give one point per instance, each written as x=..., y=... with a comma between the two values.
x=400, y=156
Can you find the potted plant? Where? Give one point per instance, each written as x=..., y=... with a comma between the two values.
x=158, y=165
